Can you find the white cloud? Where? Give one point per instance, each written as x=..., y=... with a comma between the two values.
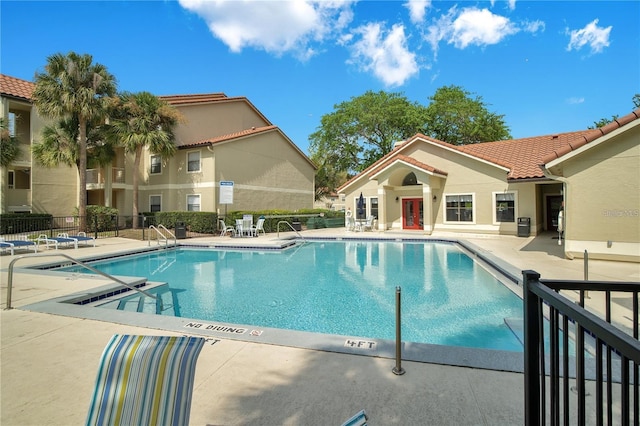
x=417, y=9
x=533, y=26
x=274, y=26
x=575, y=100
x=480, y=27
x=386, y=56
x=470, y=26
x=596, y=37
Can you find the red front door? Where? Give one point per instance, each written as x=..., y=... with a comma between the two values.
x=412, y=213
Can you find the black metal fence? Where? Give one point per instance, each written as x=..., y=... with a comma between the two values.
x=97, y=226
x=579, y=367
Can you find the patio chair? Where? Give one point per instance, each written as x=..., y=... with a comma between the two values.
x=258, y=227
x=12, y=245
x=359, y=419
x=145, y=380
x=224, y=229
x=368, y=224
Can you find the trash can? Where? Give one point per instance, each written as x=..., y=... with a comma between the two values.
x=181, y=230
x=524, y=226
x=296, y=224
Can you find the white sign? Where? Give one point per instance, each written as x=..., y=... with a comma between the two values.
x=226, y=192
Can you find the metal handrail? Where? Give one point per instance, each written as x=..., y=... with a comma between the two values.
x=79, y=263
x=164, y=237
x=290, y=226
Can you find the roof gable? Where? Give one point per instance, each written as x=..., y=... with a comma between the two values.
x=235, y=136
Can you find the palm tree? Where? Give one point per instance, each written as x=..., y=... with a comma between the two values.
x=9, y=145
x=74, y=88
x=59, y=145
x=142, y=120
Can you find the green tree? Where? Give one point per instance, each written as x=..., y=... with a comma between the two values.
x=327, y=178
x=455, y=117
x=142, y=120
x=9, y=145
x=74, y=88
x=362, y=130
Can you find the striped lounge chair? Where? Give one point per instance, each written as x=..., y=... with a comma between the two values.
x=145, y=380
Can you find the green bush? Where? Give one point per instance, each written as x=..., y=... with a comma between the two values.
x=200, y=222
x=15, y=223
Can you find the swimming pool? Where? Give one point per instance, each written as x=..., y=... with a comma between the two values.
x=336, y=287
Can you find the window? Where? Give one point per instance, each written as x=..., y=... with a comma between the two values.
x=193, y=161
x=11, y=179
x=374, y=207
x=156, y=164
x=193, y=203
x=410, y=179
x=505, y=207
x=459, y=208
x=155, y=203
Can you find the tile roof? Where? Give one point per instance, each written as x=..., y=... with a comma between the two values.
x=524, y=157
x=15, y=87
x=192, y=99
x=230, y=136
x=595, y=134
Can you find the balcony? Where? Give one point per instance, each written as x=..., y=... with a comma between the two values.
x=99, y=176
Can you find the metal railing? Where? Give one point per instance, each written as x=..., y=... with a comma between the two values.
x=79, y=263
x=290, y=227
x=601, y=356
x=161, y=236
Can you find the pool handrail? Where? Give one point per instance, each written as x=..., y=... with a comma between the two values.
x=290, y=226
x=164, y=237
x=79, y=263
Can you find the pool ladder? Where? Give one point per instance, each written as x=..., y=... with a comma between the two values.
x=290, y=227
x=79, y=263
x=161, y=235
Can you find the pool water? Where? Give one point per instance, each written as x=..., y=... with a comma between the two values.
x=338, y=287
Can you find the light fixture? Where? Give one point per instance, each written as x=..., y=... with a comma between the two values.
x=435, y=197
x=397, y=199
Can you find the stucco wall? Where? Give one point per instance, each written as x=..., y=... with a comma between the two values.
x=205, y=121
x=603, y=198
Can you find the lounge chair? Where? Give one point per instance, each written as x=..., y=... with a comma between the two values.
x=12, y=245
x=225, y=229
x=56, y=241
x=258, y=227
x=81, y=237
x=145, y=380
x=359, y=419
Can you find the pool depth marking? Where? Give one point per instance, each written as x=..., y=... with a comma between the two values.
x=360, y=344
x=222, y=328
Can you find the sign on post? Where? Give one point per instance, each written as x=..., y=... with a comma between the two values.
x=226, y=192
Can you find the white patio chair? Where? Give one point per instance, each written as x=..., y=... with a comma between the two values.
x=225, y=229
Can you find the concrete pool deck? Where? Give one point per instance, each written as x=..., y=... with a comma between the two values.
x=48, y=362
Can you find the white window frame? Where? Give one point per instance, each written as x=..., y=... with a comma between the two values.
x=199, y=202
x=151, y=157
x=473, y=209
x=494, y=195
x=199, y=161
x=151, y=204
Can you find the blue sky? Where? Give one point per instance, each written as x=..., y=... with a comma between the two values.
x=547, y=66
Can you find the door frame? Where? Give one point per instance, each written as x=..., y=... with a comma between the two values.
x=417, y=217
